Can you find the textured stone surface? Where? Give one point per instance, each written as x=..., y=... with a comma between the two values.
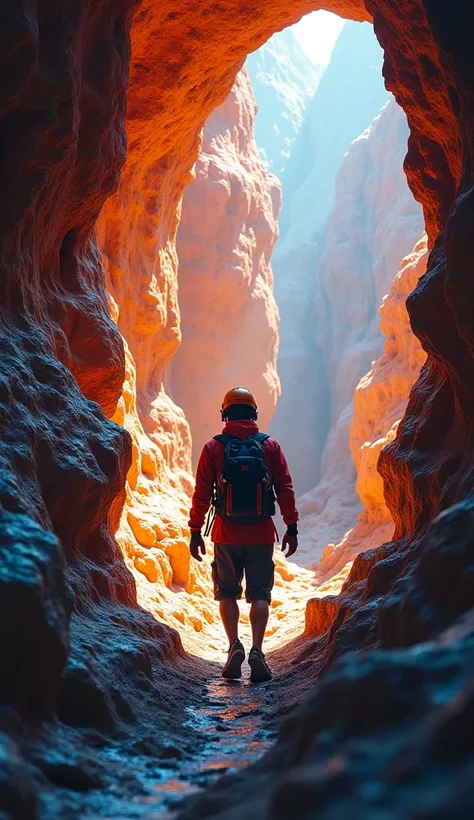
x=349, y=96
x=17, y=789
x=381, y=396
x=374, y=223
x=225, y=241
x=35, y=604
x=380, y=401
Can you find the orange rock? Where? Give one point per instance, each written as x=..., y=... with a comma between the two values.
x=380, y=400
x=381, y=396
x=320, y=613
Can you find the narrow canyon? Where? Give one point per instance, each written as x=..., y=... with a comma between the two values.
x=190, y=202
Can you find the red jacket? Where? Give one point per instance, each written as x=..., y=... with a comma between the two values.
x=210, y=466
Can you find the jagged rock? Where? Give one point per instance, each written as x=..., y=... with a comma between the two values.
x=364, y=741
x=380, y=400
x=17, y=789
x=439, y=586
x=320, y=614
x=382, y=394
x=35, y=604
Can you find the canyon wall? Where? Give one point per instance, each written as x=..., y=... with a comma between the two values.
x=283, y=82
x=62, y=108
x=381, y=396
x=374, y=224
x=380, y=400
x=229, y=317
x=350, y=94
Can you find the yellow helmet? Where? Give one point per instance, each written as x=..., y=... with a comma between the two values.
x=238, y=395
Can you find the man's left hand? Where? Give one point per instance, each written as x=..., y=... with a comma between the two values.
x=290, y=542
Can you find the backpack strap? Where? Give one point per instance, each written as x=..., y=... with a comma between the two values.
x=224, y=438
x=260, y=437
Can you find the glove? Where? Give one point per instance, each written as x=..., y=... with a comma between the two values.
x=197, y=545
x=290, y=540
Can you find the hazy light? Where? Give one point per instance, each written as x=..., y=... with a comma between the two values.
x=317, y=33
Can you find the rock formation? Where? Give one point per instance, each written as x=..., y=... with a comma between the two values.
x=349, y=96
x=283, y=82
x=381, y=396
x=225, y=241
x=374, y=223
x=126, y=684
x=380, y=401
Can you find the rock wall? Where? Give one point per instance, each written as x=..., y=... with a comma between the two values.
x=62, y=109
x=349, y=96
x=283, y=82
x=380, y=400
x=381, y=396
x=225, y=240
x=374, y=223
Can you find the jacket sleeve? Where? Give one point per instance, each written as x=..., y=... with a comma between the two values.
x=205, y=477
x=283, y=485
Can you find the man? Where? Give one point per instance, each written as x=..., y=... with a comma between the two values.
x=238, y=471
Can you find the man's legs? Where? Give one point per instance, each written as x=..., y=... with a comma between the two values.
x=259, y=571
x=227, y=572
x=229, y=612
x=258, y=620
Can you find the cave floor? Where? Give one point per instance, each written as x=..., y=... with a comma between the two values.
x=227, y=726
x=236, y=721
x=194, y=727
x=229, y=719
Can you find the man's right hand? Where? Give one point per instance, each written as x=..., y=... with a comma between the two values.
x=197, y=546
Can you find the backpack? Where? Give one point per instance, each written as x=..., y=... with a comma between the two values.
x=244, y=492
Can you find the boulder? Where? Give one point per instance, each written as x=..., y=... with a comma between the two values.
x=35, y=605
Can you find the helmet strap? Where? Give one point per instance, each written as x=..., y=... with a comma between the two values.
x=225, y=418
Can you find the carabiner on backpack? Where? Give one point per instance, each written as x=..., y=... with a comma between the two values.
x=211, y=515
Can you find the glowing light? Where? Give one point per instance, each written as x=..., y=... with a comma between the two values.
x=317, y=34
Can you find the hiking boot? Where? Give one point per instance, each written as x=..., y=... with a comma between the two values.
x=259, y=669
x=235, y=659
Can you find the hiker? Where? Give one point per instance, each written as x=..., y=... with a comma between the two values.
x=241, y=472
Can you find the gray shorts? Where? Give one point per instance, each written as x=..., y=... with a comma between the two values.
x=230, y=563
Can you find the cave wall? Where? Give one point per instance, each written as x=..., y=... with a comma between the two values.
x=63, y=359
x=229, y=317
x=381, y=396
x=62, y=111
x=379, y=403
x=374, y=223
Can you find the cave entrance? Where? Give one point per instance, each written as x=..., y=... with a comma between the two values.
x=296, y=317
x=328, y=142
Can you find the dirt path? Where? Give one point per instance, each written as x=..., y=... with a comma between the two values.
x=198, y=727
x=229, y=725
x=230, y=718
